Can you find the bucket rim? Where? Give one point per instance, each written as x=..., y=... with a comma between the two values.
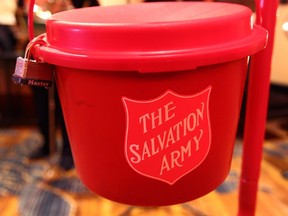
x=156, y=61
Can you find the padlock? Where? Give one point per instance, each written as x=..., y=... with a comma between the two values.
x=32, y=72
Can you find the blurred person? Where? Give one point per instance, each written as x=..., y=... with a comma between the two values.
x=81, y=3
x=41, y=98
x=42, y=106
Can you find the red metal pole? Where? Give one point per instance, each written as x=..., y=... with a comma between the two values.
x=256, y=111
x=31, y=20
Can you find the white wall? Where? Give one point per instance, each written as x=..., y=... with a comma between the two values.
x=280, y=53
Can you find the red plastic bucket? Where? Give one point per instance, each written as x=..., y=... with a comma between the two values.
x=151, y=94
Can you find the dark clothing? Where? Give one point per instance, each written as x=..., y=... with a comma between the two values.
x=42, y=107
x=80, y=3
x=7, y=39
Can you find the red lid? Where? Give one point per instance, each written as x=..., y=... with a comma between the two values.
x=151, y=37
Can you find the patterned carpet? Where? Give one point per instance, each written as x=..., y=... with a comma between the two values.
x=43, y=189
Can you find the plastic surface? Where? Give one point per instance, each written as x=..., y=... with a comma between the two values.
x=256, y=111
x=178, y=160
x=152, y=138
x=140, y=37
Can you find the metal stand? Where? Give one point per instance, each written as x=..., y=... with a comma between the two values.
x=52, y=124
x=256, y=111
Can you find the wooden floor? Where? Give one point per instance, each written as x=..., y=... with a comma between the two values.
x=272, y=193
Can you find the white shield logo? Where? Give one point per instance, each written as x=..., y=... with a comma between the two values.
x=169, y=136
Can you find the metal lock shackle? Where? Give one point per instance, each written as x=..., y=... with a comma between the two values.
x=32, y=72
x=36, y=41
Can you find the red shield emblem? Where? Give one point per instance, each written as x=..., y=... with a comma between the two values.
x=169, y=136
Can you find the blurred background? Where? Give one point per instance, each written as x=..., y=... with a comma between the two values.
x=14, y=37
x=49, y=185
